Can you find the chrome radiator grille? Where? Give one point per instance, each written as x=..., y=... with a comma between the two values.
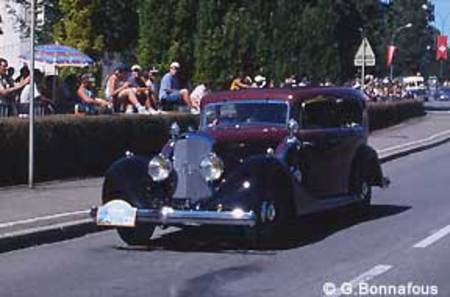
x=188, y=154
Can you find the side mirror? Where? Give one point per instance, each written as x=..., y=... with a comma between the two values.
x=293, y=128
x=174, y=130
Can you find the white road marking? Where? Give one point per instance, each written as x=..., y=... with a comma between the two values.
x=444, y=134
x=433, y=238
x=44, y=218
x=364, y=278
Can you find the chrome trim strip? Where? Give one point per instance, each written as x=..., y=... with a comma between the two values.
x=170, y=216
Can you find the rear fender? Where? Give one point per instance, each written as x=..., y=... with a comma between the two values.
x=367, y=161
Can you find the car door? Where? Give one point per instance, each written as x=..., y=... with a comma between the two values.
x=322, y=159
x=352, y=135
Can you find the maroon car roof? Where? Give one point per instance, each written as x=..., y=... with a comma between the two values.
x=294, y=95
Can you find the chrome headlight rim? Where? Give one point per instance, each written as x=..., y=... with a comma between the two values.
x=211, y=167
x=159, y=168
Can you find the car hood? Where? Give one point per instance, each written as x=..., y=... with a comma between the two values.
x=236, y=143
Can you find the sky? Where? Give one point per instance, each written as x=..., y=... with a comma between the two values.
x=442, y=13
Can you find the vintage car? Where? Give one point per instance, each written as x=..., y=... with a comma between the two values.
x=260, y=158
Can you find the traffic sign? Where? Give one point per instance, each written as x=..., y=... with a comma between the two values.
x=365, y=54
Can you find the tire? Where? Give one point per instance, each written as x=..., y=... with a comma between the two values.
x=139, y=235
x=271, y=226
x=360, y=187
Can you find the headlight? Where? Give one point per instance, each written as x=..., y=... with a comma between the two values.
x=211, y=167
x=159, y=168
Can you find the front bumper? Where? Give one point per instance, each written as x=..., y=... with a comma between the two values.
x=120, y=214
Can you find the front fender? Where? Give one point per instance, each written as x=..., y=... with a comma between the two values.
x=258, y=178
x=127, y=179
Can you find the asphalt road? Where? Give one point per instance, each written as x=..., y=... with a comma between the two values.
x=389, y=246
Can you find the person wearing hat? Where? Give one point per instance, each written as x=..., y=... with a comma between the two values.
x=119, y=93
x=86, y=94
x=144, y=95
x=170, y=89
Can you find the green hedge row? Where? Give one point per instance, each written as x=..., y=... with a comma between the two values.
x=77, y=146
x=80, y=146
x=389, y=113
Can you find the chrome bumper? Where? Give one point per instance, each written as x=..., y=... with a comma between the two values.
x=170, y=216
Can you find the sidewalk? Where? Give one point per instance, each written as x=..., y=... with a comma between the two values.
x=409, y=131
x=59, y=210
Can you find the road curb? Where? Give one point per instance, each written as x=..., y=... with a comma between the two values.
x=396, y=152
x=73, y=229
x=47, y=234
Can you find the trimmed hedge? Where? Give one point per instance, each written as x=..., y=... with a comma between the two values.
x=80, y=146
x=389, y=113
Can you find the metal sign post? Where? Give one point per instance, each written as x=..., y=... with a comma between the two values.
x=363, y=67
x=31, y=110
x=364, y=57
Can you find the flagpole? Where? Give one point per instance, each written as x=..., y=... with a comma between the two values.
x=31, y=109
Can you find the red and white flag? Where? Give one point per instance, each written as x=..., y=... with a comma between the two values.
x=390, y=55
x=442, y=47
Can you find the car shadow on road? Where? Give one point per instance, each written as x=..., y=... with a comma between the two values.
x=302, y=232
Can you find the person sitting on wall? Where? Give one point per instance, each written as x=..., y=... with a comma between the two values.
x=137, y=82
x=119, y=92
x=152, y=86
x=170, y=90
x=239, y=83
x=200, y=92
x=89, y=102
x=43, y=104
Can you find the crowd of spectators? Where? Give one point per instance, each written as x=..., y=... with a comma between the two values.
x=129, y=90
x=376, y=89
x=133, y=90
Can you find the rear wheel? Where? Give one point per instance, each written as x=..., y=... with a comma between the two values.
x=360, y=187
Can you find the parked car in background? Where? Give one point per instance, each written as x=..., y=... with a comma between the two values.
x=415, y=86
x=260, y=158
x=443, y=94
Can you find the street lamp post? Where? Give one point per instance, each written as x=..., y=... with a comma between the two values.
x=394, y=34
x=31, y=109
x=443, y=22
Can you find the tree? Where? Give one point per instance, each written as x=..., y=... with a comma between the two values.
x=166, y=33
x=409, y=56
x=47, y=13
x=117, y=22
x=77, y=29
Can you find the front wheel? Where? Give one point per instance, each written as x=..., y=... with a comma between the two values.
x=273, y=218
x=139, y=235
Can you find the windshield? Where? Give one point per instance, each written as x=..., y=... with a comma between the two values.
x=245, y=113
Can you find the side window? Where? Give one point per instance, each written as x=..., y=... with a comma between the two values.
x=349, y=113
x=320, y=113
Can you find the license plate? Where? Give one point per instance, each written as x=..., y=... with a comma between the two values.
x=116, y=213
